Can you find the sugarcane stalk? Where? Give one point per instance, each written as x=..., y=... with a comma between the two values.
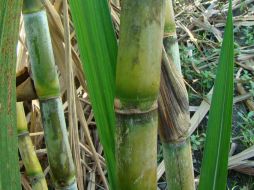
x=28, y=155
x=47, y=88
x=174, y=112
x=9, y=25
x=170, y=38
x=137, y=87
x=173, y=128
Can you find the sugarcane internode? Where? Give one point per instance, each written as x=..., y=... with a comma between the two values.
x=136, y=143
x=47, y=87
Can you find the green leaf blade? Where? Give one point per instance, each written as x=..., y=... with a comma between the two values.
x=215, y=160
x=98, y=50
x=9, y=161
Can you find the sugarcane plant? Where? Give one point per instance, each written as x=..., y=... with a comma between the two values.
x=46, y=84
x=130, y=148
x=27, y=152
x=174, y=112
x=137, y=88
x=9, y=25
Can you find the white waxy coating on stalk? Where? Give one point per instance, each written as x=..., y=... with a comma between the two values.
x=41, y=54
x=32, y=31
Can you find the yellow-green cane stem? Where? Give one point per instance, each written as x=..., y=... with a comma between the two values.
x=137, y=87
x=139, y=54
x=31, y=162
x=27, y=152
x=136, y=149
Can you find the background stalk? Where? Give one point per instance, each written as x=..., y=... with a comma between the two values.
x=9, y=24
x=28, y=155
x=139, y=56
x=170, y=38
x=173, y=128
x=174, y=112
x=47, y=88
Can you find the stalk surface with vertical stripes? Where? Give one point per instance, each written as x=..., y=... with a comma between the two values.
x=47, y=88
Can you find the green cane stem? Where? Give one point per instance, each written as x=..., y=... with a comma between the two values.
x=174, y=112
x=137, y=87
x=47, y=88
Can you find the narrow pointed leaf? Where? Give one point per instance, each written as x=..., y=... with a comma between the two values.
x=9, y=23
x=98, y=49
x=214, y=164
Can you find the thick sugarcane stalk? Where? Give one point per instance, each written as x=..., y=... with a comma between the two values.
x=137, y=87
x=28, y=155
x=9, y=25
x=47, y=88
x=174, y=113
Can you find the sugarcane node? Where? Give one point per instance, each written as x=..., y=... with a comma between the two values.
x=169, y=39
x=72, y=186
x=32, y=6
x=23, y=133
x=135, y=111
x=119, y=109
x=171, y=129
x=172, y=136
x=45, y=99
x=177, y=143
x=125, y=121
x=169, y=35
x=169, y=139
x=35, y=179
